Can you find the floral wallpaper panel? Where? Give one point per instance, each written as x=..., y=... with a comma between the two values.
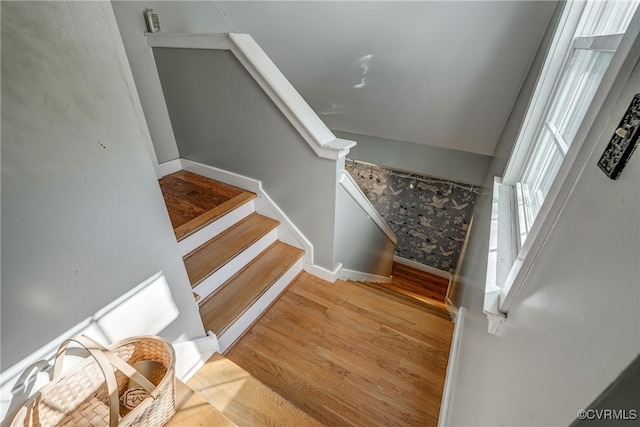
x=430, y=216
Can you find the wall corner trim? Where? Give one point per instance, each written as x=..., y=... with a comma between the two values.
x=363, y=277
x=323, y=273
x=167, y=168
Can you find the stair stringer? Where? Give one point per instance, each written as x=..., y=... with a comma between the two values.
x=251, y=315
x=264, y=205
x=210, y=284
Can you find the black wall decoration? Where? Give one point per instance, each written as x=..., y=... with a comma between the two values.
x=623, y=143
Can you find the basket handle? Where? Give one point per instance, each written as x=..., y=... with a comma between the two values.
x=105, y=367
x=104, y=357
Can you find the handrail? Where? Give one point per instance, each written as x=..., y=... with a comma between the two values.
x=350, y=186
x=273, y=82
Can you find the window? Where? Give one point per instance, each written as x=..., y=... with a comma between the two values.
x=597, y=37
x=587, y=36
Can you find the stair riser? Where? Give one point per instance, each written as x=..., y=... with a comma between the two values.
x=190, y=243
x=224, y=273
x=244, y=322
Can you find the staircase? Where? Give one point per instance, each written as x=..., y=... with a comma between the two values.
x=237, y=267
x=236, y=264
x=417, y=287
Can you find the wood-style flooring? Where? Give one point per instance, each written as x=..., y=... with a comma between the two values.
x=419, y=282
x=193, y=201
x=347, y=354
x=416, y=287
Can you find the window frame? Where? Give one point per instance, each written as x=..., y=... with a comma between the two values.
x=510, y=261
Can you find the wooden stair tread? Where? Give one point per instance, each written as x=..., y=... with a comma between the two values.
x=192, y=410
x=208, y=258
x=211, y=215
x=189, y=196
x=220, y=309
x=419, y=281
x=430, y=304
x=244, y=399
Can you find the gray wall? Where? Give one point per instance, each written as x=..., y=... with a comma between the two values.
x=442, y=73
x=623, y=394
x=83, y=220
x=360, y=244
x=222, y=118
x=574, y=326
x=175, y=17
x=454, y=165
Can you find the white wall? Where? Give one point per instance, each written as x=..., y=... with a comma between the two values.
x=575, y=325
x=83, y=220
x=175, y=17
x=440, y=73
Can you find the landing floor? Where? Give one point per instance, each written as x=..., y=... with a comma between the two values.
x=350, y=355
x=188, y=196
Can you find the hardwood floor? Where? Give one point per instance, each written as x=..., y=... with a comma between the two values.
x=194, y=201
x=209, y=257
x=243, y=399
x=419, y=282
x=349, y=355
x=416, y=287
x=219, y=310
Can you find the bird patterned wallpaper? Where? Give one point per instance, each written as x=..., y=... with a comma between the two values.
x=430, y=216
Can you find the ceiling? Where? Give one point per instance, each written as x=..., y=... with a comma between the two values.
x=444, y=73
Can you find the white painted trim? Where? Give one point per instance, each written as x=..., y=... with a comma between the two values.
x=587, y=137
x=359, y=276
x=167, y=168
x=452, y=369
x=192, y=355
x=547, y=81
x=224, y=273
x=242, y=324
x=323, y=273
x=287, y=98
x=208, y=232
x=264, y=204
x=358, y=196
x=323, y=142
x=422, y=267
x=231, y=178
x=287, y=231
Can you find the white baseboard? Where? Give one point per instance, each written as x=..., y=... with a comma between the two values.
x=264, y=205
x=363, y=277
x=240, y=326
x=422, y=267
x=243, y=182
x=208, y=232
x=192, y=355
x=167, y=168
x=224, y=273
x=323, y=273
x=287, y=231
x=452, y=368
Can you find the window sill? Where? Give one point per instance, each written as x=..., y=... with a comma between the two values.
x=501, y=253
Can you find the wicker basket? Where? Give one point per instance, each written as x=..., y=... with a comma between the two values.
x=88, y=395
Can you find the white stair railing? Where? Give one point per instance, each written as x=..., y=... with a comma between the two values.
x=307, y=124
